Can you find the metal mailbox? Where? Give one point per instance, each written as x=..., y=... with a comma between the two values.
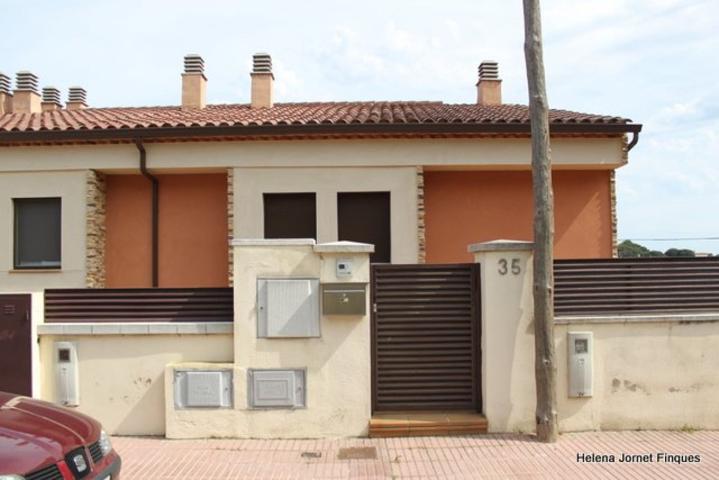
x=344, y=299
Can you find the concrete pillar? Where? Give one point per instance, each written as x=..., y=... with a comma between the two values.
x=508, y=389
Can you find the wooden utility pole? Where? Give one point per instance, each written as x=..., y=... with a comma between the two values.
x=544, y=366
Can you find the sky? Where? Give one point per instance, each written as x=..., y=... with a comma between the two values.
x=653, y=61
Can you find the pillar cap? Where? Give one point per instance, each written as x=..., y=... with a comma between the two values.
x=500, y=246
x=272, y=242
x=344, y=247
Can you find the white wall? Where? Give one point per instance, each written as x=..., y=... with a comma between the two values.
x=337, y=363
x=499, y=153
x=650, y=372
x=70, y=187
x=508, y=391
x=251, y=183
x=122, y=376
x=648, y=375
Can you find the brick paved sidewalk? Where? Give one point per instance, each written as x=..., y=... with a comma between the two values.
x=490, y=456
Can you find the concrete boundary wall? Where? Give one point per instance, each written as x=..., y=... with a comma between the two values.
x=336, y=363
x=651, y=371
x=647, y=375
x=654, y=371
x=121, y=376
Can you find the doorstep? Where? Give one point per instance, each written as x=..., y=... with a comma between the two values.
x=400, y=424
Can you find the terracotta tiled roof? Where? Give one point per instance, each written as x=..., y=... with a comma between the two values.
x=340, y=113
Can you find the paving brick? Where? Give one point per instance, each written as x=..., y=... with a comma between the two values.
x=506, y=456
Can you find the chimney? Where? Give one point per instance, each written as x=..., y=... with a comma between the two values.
x=262, y=80
x=194, y=82
x=50, y=99
x=26, y=98
x=489, y=86
x=5, y=95
x=76, y=98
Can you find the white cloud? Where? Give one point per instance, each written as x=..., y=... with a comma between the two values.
x=651, y=60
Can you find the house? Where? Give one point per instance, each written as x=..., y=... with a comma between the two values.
x=148, y=197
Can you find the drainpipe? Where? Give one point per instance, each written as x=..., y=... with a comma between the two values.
x=155, y=202
x=635, y=140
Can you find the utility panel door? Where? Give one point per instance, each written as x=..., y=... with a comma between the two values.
x=365, y=217
x=15, y=343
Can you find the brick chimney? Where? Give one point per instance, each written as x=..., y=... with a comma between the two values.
x=76, y=98
x=50, y=99
x=262, y=79
x=5, y=95
x=194, y=82
x=26, y=99
x=489, y=86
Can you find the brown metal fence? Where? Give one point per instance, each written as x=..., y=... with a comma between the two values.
x=138, y=305
x=636, y=285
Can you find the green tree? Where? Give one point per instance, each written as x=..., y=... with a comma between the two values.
x=679, y=252
x=630, y=249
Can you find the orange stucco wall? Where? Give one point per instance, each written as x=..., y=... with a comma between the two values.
x=467, y=207
x=193, y=245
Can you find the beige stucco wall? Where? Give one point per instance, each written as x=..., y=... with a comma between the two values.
x=650, y=372
x=70, y=187
x=647, y=375
x=122, y=376
x=508, y=392
x=337, y=363
x=325, y=166
x=401, y=182
x=436, y=153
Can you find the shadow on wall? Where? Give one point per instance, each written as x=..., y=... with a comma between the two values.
x=122, y=377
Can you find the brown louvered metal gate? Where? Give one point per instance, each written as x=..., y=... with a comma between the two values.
x=425, y=337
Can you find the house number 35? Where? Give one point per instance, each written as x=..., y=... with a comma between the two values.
x=507, y=266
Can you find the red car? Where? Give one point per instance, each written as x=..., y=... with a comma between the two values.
x=41, y=441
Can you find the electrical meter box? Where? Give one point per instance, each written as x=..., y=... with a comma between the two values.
x=288, y=307
x=203, y=389
x=580, y=352
x=66, y=374
x=344, y=299
x=275, y=388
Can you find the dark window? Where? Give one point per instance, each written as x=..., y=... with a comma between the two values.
x=290, y=215
x=364, y=217
x=37, y=232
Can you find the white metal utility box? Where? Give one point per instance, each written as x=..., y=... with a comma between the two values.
x=579, y=356
x=276, y=388
x=203, y=388
x=288, y=307
x=67, y=382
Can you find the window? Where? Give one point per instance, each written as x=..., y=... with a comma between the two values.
x=37, y=233
x=365, y=217
x=290, y=215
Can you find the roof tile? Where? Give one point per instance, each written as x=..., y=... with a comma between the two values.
x=335, y=113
